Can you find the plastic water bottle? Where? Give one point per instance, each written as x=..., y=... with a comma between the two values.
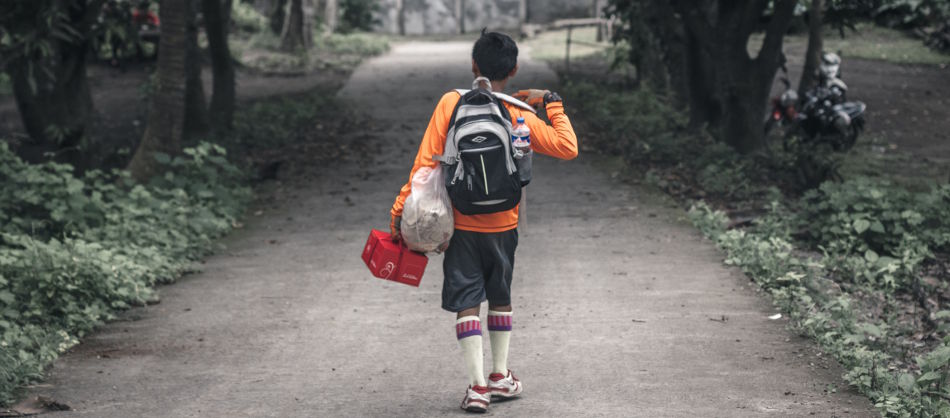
x=521, y=149
x=521, y=146
x=521, y=139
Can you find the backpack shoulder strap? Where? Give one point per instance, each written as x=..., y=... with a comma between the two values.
x=516, y=102
x=506, y=98
x=450, y=150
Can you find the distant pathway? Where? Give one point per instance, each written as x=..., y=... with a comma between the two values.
x=621, y=309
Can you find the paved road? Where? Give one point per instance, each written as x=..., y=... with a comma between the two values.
x=621, y=308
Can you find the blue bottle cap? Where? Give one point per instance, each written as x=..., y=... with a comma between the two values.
x=520, y=119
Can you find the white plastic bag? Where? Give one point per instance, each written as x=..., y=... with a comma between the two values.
x=427, y=221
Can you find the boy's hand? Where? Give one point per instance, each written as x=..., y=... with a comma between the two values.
x=533, y=97
x=442, y=248
x=394, y=228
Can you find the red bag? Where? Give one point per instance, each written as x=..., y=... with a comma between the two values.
x=391, y=261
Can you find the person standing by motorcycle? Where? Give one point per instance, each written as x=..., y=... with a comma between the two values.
x=823, y=114
x=831, y=92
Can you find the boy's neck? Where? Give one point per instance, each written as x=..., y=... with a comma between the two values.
x=499, y=86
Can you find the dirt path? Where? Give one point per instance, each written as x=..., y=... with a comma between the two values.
x=621, y=308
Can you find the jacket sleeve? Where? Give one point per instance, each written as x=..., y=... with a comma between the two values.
x=557, y=140
x=433, y=143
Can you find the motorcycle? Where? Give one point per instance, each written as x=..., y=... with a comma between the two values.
x=827, y=117
x=784, y=110
x=822, y=116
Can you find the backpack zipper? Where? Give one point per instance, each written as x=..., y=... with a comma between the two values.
x=484, y=174
x=491, y=148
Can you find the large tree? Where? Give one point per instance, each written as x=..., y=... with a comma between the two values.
x=277, y=15
x=330, y=16
x=298, y=32
x=815, y=45
x=196, y=107
x=166, y=113
x=217, y=15
x=729, y=88
x=44, y=45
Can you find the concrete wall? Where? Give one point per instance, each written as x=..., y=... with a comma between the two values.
x=432, y=17
x=546, y=11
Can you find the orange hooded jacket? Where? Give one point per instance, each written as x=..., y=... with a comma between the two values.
x=557, y=141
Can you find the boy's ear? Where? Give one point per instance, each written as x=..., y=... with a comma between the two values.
x=513, y=71
x=475, y=68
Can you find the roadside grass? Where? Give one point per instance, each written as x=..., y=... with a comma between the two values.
x=75, y=251
x=867, y=41
x=552, y=45
x=873, y=157
x=5, y=87
x=878, y=43
x=860, y=266
x=261, y=51
x=258, y=48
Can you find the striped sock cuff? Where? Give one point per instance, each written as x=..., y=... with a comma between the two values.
x=499, y=321
x=468, y=326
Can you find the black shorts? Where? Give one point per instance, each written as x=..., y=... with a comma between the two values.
x=477, y=267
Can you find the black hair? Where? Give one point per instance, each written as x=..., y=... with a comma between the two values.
x=495, y=54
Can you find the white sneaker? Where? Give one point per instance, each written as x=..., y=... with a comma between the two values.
x=504, y=386
x=476, y=399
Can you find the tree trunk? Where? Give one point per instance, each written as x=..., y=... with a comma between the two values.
x=59, y=112
x=669, y=31
x=196, y=106
x=704, y=107
x=297, y=32
x=728, y=89
x=277, y=15
x=401, y=16
x=53, y=97
x=330, y=15
x=163, y=132
x=743, y=101
x=815, y=45
x=217, y=21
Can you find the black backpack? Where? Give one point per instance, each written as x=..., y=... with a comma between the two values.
x=480, y=172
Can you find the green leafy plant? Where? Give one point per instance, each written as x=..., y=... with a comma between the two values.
x=820, y=310
x=74, y=250
x=247, y=19
x=358, y=15
x=875, y=232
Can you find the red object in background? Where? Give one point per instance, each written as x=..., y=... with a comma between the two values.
x=391, y=261
x=145, y=18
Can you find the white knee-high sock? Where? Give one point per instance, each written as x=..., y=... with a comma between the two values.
x=468, y=329
x=499, y=331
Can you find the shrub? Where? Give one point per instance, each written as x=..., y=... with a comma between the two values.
x=358, y=15
x=245, y=18
x=821, y=311
x=75, y=250
x=636, y=123
x=873, y=231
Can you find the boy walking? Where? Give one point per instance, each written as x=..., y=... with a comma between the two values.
x=480, y=257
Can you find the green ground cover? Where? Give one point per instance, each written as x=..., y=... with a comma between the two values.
x=552, y=45
x=859, y=265
x=75, y=250
x=871, y=42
